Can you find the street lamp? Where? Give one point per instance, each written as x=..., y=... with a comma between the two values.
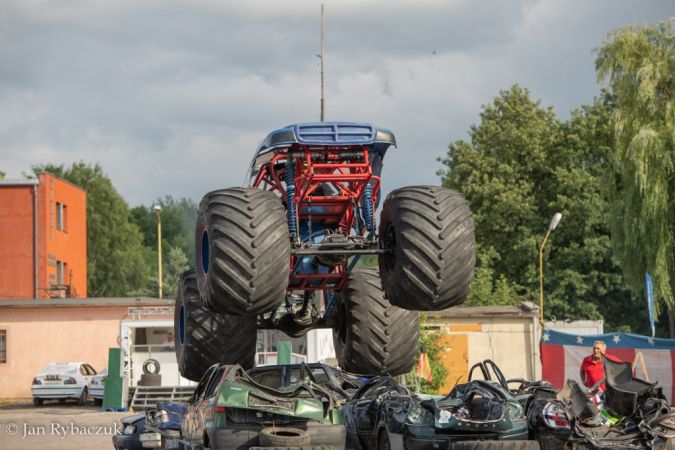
x=157, y=209
x=551, y=227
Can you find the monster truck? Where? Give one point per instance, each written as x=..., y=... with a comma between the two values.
x=280, y=253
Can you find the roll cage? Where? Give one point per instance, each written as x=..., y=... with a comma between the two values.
x=328, y=177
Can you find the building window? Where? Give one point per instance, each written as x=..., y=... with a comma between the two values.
x=61, y=217
x=3, y=346
x=59, y=272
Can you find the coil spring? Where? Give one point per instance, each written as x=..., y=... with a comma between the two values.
x=290, y=195
x=368, y=207
x=328, y=298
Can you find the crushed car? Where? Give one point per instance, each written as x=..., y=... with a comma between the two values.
x=293, y=405
x=384, y=415
x=132, y=428
x=630, y=414
x=163, y=424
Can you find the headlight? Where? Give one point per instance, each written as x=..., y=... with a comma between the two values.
x=161, y=416
x=555, y=417
x=129, y=430
x=36, y=382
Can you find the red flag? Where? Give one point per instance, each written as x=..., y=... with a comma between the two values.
x=423, y=368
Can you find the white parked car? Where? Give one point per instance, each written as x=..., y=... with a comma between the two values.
x=62, y=381
x=96, y=386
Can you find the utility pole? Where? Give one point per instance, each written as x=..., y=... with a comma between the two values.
x=322, y=98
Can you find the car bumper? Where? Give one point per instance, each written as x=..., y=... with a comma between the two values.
x=241, y=437
x=121, y=442
x=57, y=392
x=96, y=393
x=427, y=438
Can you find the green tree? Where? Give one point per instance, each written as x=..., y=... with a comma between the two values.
x=522, y=166
x=489, y=289
x=115, y=264
x=431, y=339
x=178, y=227
x=178, y=263
x=638, y=60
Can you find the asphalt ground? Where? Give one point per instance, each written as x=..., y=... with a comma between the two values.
x=57, y=426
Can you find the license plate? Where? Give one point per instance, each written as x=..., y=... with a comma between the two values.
x=102, y=382
x=52, y=381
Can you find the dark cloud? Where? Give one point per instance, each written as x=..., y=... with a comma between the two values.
x=171, y=97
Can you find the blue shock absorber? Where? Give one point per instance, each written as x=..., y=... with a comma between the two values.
x=368, y=207
x=290, y=195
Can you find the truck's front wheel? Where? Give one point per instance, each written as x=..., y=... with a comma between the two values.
x=242, y=251
x=430, y=235
x=204, y=338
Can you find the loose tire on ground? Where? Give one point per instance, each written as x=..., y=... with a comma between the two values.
x=204, y=338
x=150, y=379
x=496, y=445
x=82, y=399
x=151, y=366
x=242, y=251
x=431, y=231
x=372, y=337
x=283, y=437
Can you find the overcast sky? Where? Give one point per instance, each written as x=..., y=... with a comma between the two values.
x=171, y=97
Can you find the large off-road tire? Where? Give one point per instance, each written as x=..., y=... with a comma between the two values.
x=496, y=445
x=242, y=251
x=371, y=336
x=283, y=437
x=204, y=338
x=430, y=230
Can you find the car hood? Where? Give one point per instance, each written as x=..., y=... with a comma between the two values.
x=128, y=420
x=176, y=413
x=303, y=399
x=478, y=406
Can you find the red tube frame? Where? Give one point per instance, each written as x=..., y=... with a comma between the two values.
x=348, y=170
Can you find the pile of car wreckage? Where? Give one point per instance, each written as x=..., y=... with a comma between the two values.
x=317, y=406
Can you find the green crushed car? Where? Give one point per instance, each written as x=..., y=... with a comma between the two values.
x=282, y=406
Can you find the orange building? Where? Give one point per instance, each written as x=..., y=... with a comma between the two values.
x=43, y=239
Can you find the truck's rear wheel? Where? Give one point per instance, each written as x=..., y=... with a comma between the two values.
x=242, y=251
x=372, y=337
x=430, y=230
x=204, y=338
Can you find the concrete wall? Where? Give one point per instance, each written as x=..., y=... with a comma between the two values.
x=18, y=219
x=507, y=341
x=68, y=245
x=37, y=337
x=17, y=252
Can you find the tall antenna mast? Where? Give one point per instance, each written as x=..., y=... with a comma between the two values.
x=322, y=98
